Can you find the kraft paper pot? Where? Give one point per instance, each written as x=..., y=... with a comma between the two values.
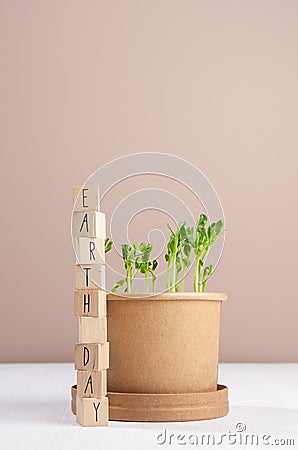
x=164, y=344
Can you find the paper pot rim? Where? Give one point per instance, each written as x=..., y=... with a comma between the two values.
x=161, y=296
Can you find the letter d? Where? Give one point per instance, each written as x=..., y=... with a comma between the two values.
x=162, y=437
x=86, y=356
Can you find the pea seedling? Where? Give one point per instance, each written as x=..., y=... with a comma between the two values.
x=137, y=260
x=172, y=258
x=178, y=257
x=144, y=265
x=187, y=242
x=205, y=238
x=129, y=255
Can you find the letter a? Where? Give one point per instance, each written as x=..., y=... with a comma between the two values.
x=89, y=382
x=85, y=222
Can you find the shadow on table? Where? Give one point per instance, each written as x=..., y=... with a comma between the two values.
x=253, y=419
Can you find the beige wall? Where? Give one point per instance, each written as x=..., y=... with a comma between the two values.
x=213, y=82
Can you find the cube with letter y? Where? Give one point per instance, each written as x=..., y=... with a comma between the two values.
x=92, y=412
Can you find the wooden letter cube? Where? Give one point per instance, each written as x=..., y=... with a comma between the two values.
x=85, y=198
x=89, y=250
x=93, y=330
x=90, y=276
x=91, y=224
x=90, y=303
x=91, y=384
x=92, y=412
x=92, y=356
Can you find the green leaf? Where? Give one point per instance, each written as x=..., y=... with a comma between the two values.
x=152, y=267
x=108, y=244
x=187, y=249
x=215, y=230
x=186, y=262
x=220, y=227
x=208, y=271
x=145, y=250
x=129, y=252
x=118, y=284
x=202, y=222
x=170, y=228
x=178, y=265
x=154, y=264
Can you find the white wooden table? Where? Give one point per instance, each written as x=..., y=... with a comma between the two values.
x=35, y=412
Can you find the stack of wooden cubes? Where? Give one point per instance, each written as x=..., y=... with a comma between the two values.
x=92, y=351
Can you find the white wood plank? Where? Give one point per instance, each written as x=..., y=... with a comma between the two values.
x=35, y=409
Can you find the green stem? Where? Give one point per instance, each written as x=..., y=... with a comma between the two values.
x=196, y=277
x=202, y=284
x=205, y=254
x=176, y=281
x=129, y=280
x=168, y=274
x=147, y=281
x=183, y=279
x=173, y=274
x=174, y=264
x=134, y=274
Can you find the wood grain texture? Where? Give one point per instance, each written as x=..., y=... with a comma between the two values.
x=85, y=198
x=92, y=384
x=90, y=224
x=89, y=250
x=92, y=412
x=35, y=399
x=90, y=276
x=92, y=356
x=93, y=330
x=90, y=303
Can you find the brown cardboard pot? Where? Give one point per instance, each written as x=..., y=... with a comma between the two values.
x=164, y=357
